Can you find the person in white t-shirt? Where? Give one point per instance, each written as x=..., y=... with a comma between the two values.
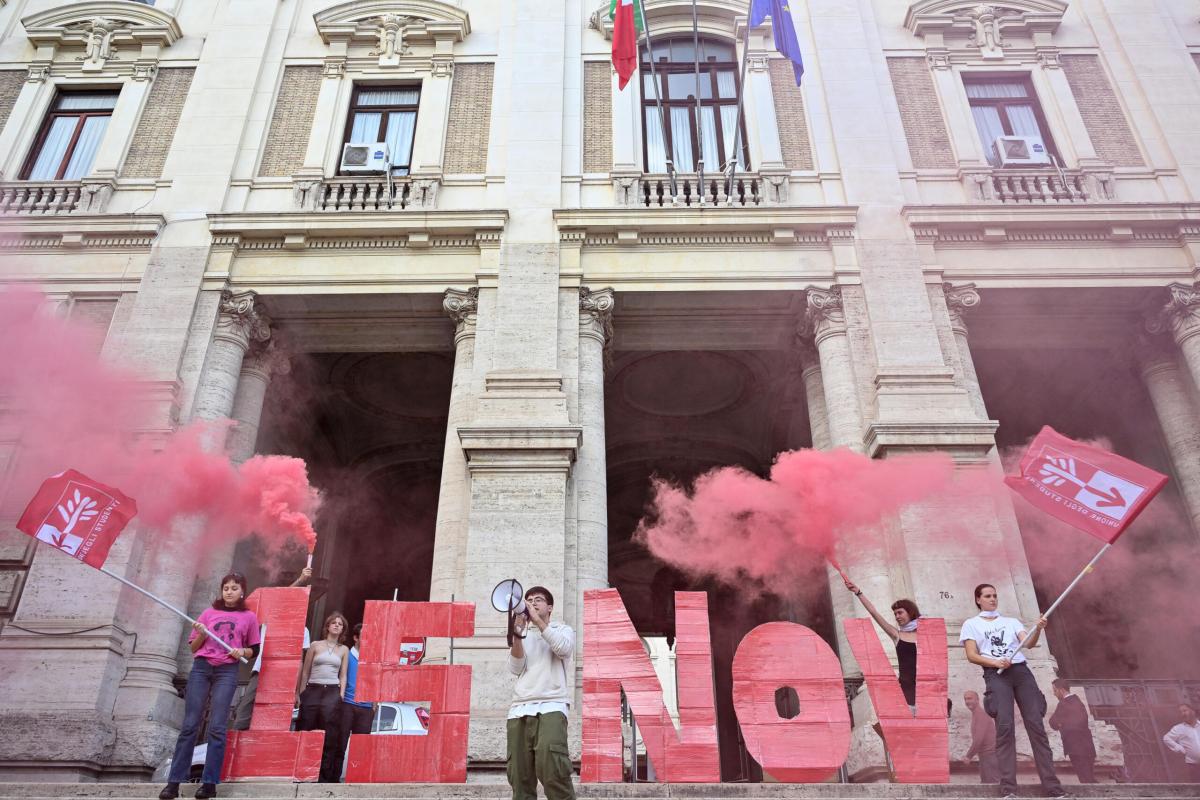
x=991, y=642
x=1184, y=739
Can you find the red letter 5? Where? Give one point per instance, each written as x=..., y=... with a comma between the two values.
x=919, y=744
x=269, y=749
x=810, y=746
x=613, y=659
x=440, y=756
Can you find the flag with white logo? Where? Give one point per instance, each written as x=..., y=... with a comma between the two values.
x=1084, y=486
x=77, y=515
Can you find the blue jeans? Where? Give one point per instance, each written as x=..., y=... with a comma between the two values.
x=212, y=686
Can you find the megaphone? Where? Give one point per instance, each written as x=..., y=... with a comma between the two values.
x=509, y=597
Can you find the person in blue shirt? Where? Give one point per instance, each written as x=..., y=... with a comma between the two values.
x=356, y=716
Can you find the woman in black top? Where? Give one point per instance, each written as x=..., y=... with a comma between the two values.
x=904, y=634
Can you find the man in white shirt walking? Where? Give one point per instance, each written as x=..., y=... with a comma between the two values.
x=543, y=661
x=1184, y=739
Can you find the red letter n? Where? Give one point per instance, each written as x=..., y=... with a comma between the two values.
x=269, y=750
x=440, y=756
x=919, y=743
x=613, y=659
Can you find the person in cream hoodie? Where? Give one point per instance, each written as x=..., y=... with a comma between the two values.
x=542, y=657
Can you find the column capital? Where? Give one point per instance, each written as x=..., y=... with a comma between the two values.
x=1180, y=315
x=958, y=300
x=242, y=320
x=825, y=316
x=806, y=347
x=1152, y=353
x=462, y=307
x=266, y=358
x=595, y=313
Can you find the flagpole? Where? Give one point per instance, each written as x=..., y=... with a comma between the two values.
x=167, y=605
x=662, y=119
x=1090, y=565
x=700, y=190
x=737, y=128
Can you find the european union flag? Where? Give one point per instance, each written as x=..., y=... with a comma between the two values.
x=785, y=31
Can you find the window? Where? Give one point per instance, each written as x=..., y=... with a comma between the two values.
x=70, y=136
x=677, y=83
x=1005, y=106
x=386, y=114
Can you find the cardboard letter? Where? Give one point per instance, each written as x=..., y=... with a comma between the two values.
x=440, y=756
x=614, y=659
x=269, y=750
x=809, y=747
x=919, y=745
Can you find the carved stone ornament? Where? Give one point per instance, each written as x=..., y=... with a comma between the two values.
x=1180, y=315
x=99, y=30
x=825, y=315
x=461, y=306
x=391, y=39
x=595, y=317
x=241, y=319
x=958, y=300
x=391, y=27
x=987, y=28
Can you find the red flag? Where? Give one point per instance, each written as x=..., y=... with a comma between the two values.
x=78, y=515
x=1086, y=487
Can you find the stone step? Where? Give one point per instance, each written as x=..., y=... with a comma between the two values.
x=618, y=791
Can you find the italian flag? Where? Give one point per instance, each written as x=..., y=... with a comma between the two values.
x=628, y=22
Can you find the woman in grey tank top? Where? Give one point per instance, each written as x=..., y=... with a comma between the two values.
x=321, y=688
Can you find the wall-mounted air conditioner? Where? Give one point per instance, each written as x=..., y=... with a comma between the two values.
x=1021, y=151
x=360, y=158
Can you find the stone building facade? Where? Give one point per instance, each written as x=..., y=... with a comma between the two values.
x=492, y=348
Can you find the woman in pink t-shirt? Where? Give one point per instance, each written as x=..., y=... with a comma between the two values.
x=212, y=682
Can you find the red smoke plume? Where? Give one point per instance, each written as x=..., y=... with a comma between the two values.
x=69, y=409
x=736, y=527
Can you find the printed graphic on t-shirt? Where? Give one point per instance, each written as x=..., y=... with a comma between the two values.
x=996, y=643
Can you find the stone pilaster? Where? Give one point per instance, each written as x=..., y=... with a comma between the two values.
x=462, y=306
x=1174, y=405
x=591, y=485
x=958, y=300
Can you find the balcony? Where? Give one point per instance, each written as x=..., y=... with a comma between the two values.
x=654, y=191
x=54, y=198
x=1040, y=186
x=368, y=193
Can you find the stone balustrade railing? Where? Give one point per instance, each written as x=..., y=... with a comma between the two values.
x=40, y=198
x=655, y=191
x=1042, y=186
x=368, y=193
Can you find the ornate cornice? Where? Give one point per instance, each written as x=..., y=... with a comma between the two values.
x=958, y=300
x=632, y=226
x=102, y=29
x=720, y=18
x=241, y=320
x=389, y=26
x=1180, y=315
x=985, y=27
x=826, y=315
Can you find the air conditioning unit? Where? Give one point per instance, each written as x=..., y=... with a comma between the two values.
x=360, y=158
x=1023, y=151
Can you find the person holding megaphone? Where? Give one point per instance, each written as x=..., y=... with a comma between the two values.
x=542, y=657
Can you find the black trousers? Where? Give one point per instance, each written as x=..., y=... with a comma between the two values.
x=355, y=719
x=320, y=710
x=1084, y=765
x=1017, y=685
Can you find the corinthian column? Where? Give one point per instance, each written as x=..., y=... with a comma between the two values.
x=591, y=484
x=826, y=321
x=1181, y=316
x=262, y=362
x=814, y=390
x=454, y=499
x=958, y=300
x=241, y=321
x=1177, y=414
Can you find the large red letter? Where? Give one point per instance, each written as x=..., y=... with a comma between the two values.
x=919, y=744
x=441, y=756
x=269, y=749
x=613, y=659
x=809, y=747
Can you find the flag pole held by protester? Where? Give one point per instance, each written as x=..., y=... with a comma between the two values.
x=82, y=518
x=1089, y=488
